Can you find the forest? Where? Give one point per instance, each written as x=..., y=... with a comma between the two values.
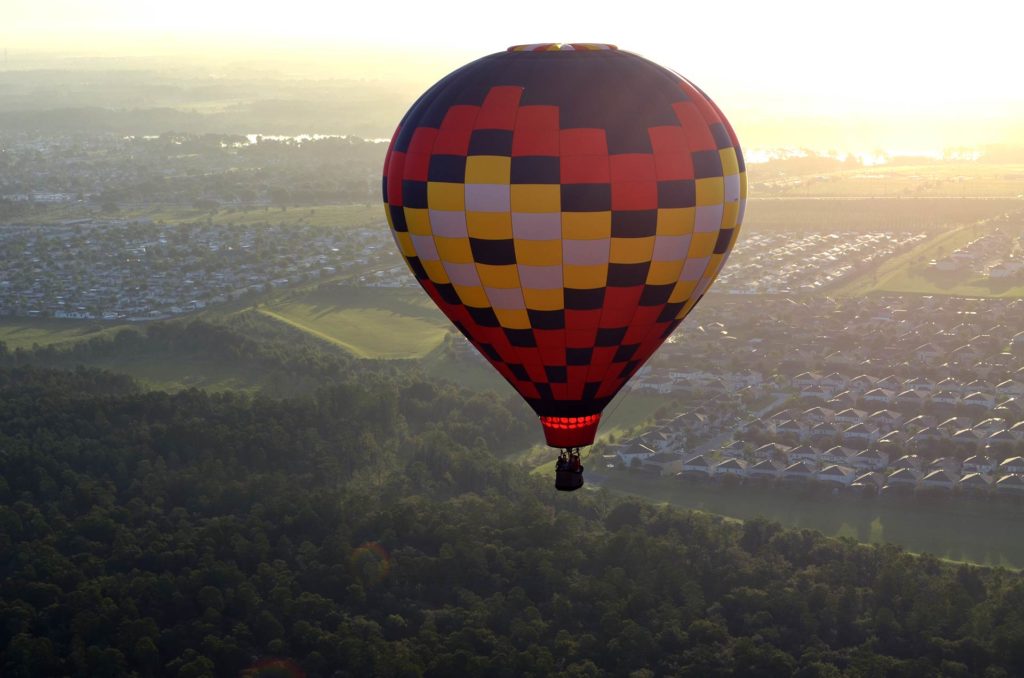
x=366, y=525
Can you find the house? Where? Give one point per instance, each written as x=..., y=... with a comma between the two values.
x=927, y=353
x=949, y=384
x=965, y=354
x=842, y=401
x=885, y=420
x=975, y=483
x=1012, y=465
x=696, y=467
x=664, y=463
x=979, y=463
x=798, y=472
x=911, y=461
x=861, y=384
x=824, y=432
x=979, y=386
x=966, y=440
x=890, y=383
x=860, y=435
x=816, y=393
x=879, y=396
x=954, y=424
x=737, y=449
x=736, y=468
x=911, y=400
x=804, y=453
x=659, y=441
x=766, y=469
x=919, y=384
x=842, y=476
x=837, y=455
x=918, y=423
x=817, y=415
x=791, y=429
x=690, y=422
x=834, y=382
x=781, y=416
x=979, y=401
x=945, y=398
x=926, y=436
x=805, y=380
x=870, y=482
x=891, y=442
x=635, y=452
x=1012, y=484
x=1010, y=387
x=1011, y=408
x=990, y=425
x=850, y=416
x=938, y=479
x=773, y=451
x=870, y=460
x=904, y=479
x=1001, y=442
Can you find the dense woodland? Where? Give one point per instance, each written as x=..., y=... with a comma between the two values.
x=367, y=527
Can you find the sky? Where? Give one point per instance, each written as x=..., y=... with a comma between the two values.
x=900, y=75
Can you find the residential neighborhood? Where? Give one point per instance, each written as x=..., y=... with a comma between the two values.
x=785, y=263
x=138, y=270
x=875, y=395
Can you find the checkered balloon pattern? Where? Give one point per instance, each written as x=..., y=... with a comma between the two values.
x=566, y=206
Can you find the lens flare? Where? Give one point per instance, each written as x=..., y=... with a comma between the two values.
x=370, y=562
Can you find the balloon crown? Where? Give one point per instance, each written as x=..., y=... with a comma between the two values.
x=563, y=47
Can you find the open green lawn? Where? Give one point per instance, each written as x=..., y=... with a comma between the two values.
x=908, y=273
x=345, y=216
x=980, y=531
x=368, y=322
x=183, y=372
x=469, y=371
x=26, y=332
x=938, y=179
x=789, y=214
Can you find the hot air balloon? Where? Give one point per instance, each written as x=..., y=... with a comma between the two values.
x=566, y=206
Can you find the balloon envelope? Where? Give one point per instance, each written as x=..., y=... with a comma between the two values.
x=566, y=206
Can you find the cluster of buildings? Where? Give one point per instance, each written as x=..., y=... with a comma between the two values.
x=120, y=270
x=996, y=255
x=187, y=170
x=784, y=263
x=875, y=394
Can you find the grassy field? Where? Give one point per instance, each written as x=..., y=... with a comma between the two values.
x=368, y=322
x=170, y=375
x=184, y=372
x=26, y=332
x=343, y=216
x=908, y=273
x=869, y=214
x=978, y=531
x=938, y=179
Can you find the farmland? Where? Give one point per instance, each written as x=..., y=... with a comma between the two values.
x=368, y=322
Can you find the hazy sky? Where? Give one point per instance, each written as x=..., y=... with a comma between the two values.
x=900, y=74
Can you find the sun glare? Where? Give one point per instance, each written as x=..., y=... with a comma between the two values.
x=910, y=73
